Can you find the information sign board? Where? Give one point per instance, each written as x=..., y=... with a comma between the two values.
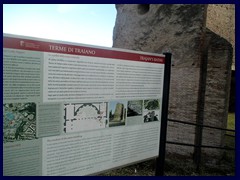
x=73, y=109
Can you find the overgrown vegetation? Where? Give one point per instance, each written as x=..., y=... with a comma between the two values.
x=229, y=156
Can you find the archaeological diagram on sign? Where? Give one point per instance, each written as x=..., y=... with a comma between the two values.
x=19, y=122
x=84, y=116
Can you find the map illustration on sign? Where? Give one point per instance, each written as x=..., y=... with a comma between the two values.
x=84, y=116
x=19, y=122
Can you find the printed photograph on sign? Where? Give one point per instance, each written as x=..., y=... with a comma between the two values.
x=84, y=116
x=117, y=113
x=151, y=104
x=134, y=112
x=19, y=122
x=151, y=116
x=151, y=110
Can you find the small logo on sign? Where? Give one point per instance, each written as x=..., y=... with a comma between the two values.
x=22, y=43
x=31, y=45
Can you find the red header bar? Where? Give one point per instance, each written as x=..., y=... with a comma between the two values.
x=43, y=46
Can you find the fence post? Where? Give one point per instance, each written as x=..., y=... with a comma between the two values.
x=159, y=171
x=200, y=106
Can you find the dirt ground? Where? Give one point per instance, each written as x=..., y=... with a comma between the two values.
x=179, y=166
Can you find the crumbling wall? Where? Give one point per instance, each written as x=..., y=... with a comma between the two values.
x=119, y=112
x=221, y=20
x=218, y=81
x=179, y=29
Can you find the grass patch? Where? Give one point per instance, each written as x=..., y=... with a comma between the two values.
x=229, y=156
x=229, y=140
x=231, y=121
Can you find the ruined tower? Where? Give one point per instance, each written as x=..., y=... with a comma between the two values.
x=201, y=66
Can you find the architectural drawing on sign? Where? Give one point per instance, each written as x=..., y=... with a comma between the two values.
x=84, y=116
x=19, y=122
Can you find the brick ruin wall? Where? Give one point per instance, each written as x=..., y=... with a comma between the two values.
x=180, y=29
x=221, y=20
x=221, y=59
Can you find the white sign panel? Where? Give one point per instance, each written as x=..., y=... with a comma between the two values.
x=72, y=109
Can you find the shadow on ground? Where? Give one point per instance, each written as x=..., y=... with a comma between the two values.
x=180, y=166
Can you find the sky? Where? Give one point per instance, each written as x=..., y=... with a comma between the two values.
x=81, y=23
x=112, y=105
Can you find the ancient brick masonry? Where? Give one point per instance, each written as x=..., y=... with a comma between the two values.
x=181, y=30
x=221, y=20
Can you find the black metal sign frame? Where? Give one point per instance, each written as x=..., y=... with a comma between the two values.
x=159, y=171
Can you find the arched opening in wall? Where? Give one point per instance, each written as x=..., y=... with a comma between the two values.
x=143, y=8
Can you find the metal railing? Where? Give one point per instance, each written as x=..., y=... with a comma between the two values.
x=202, y=146
x=201, y=125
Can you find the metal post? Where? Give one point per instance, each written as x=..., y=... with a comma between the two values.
x=197, y=155
x=159, y=171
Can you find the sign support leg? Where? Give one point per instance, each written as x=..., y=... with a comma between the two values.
x=159, y=171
